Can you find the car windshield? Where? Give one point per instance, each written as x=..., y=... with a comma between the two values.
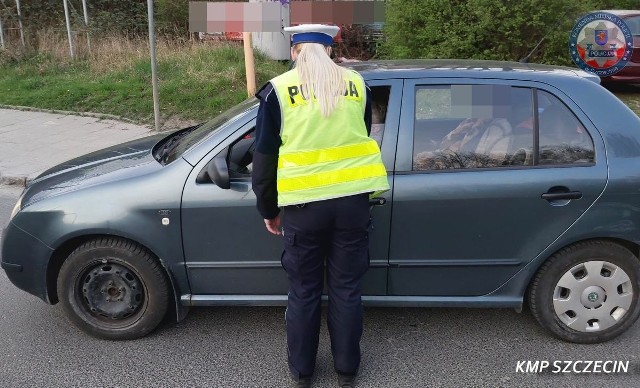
x=190, y=139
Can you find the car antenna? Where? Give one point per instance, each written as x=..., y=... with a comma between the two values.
x=526, y=59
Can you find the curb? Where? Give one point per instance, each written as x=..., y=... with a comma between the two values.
x=14, y=180
x=105, y=116
x=101, y=116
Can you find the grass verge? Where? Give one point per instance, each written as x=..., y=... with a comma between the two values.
x=196, y=80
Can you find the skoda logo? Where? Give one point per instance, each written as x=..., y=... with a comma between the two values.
x=593, y=297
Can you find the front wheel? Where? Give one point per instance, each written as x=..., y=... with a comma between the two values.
x=588, y=292
x=113, y=289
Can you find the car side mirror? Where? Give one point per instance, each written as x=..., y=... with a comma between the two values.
x=217, y=171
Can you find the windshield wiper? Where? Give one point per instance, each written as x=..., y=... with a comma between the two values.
x=168, y=146
x=164, y=151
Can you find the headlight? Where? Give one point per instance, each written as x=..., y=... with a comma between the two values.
x=16, y=208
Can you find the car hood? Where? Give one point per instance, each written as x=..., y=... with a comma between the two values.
x=121, y=161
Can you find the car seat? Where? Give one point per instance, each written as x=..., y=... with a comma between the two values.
x=495, y=141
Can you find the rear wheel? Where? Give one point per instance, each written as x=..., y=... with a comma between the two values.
x=113, y=289
x=588, y=292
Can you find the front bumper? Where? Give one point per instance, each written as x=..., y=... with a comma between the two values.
x=8, y=267
x=25, y=260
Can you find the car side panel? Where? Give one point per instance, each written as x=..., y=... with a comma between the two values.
x=467, y=232
x=227, y=249
x=616, y=213
x=131, y=208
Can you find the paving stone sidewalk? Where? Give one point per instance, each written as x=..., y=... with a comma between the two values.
x=32, y=142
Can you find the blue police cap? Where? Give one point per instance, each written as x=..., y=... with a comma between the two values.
x=313, y=33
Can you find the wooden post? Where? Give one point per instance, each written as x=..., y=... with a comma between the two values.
x=66, y=15
x=249, y=64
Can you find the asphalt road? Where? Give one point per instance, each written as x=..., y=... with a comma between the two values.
x=245, y=347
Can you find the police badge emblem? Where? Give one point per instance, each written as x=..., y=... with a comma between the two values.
x=600, y=43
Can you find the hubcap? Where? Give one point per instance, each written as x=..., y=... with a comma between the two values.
x=592, y=296
x=111, y=291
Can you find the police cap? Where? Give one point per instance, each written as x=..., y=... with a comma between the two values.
x=313, y=33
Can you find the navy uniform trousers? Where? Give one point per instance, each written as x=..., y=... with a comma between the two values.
x=334, y=230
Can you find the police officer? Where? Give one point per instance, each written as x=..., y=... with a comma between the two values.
x=313, y=170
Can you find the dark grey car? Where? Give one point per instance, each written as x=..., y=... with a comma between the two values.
x=509, y=182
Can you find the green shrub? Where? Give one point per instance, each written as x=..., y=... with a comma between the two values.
x=486, y=29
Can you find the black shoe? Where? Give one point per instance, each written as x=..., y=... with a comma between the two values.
x=302, y=382
x=346, y=381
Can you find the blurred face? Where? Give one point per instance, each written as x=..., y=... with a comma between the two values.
x=295, y=50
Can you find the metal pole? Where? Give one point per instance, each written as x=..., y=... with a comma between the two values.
x=1, y=34
x=154, y=65
x=66, y=15
x=86, y=23
x=20, y=22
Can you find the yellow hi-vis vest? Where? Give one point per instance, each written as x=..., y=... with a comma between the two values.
x=325, y=157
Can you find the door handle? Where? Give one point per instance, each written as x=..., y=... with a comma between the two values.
x=378, y=201
x=554, y=196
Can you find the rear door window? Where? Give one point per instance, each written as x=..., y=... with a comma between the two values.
x=495, y=126
x=470, y=126
x=563, y=139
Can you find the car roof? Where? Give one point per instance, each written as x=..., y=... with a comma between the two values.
x=622, y=12
x=467, y=68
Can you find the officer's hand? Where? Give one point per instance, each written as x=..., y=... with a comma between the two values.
x=273, y=225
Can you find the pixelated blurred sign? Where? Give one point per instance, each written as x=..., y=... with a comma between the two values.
x=266, y=19
x=337, y=12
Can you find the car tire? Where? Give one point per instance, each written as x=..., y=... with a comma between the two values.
x=587, y=292
x=113, y=289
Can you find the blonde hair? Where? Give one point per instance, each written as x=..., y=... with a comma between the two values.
x=319, y=76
